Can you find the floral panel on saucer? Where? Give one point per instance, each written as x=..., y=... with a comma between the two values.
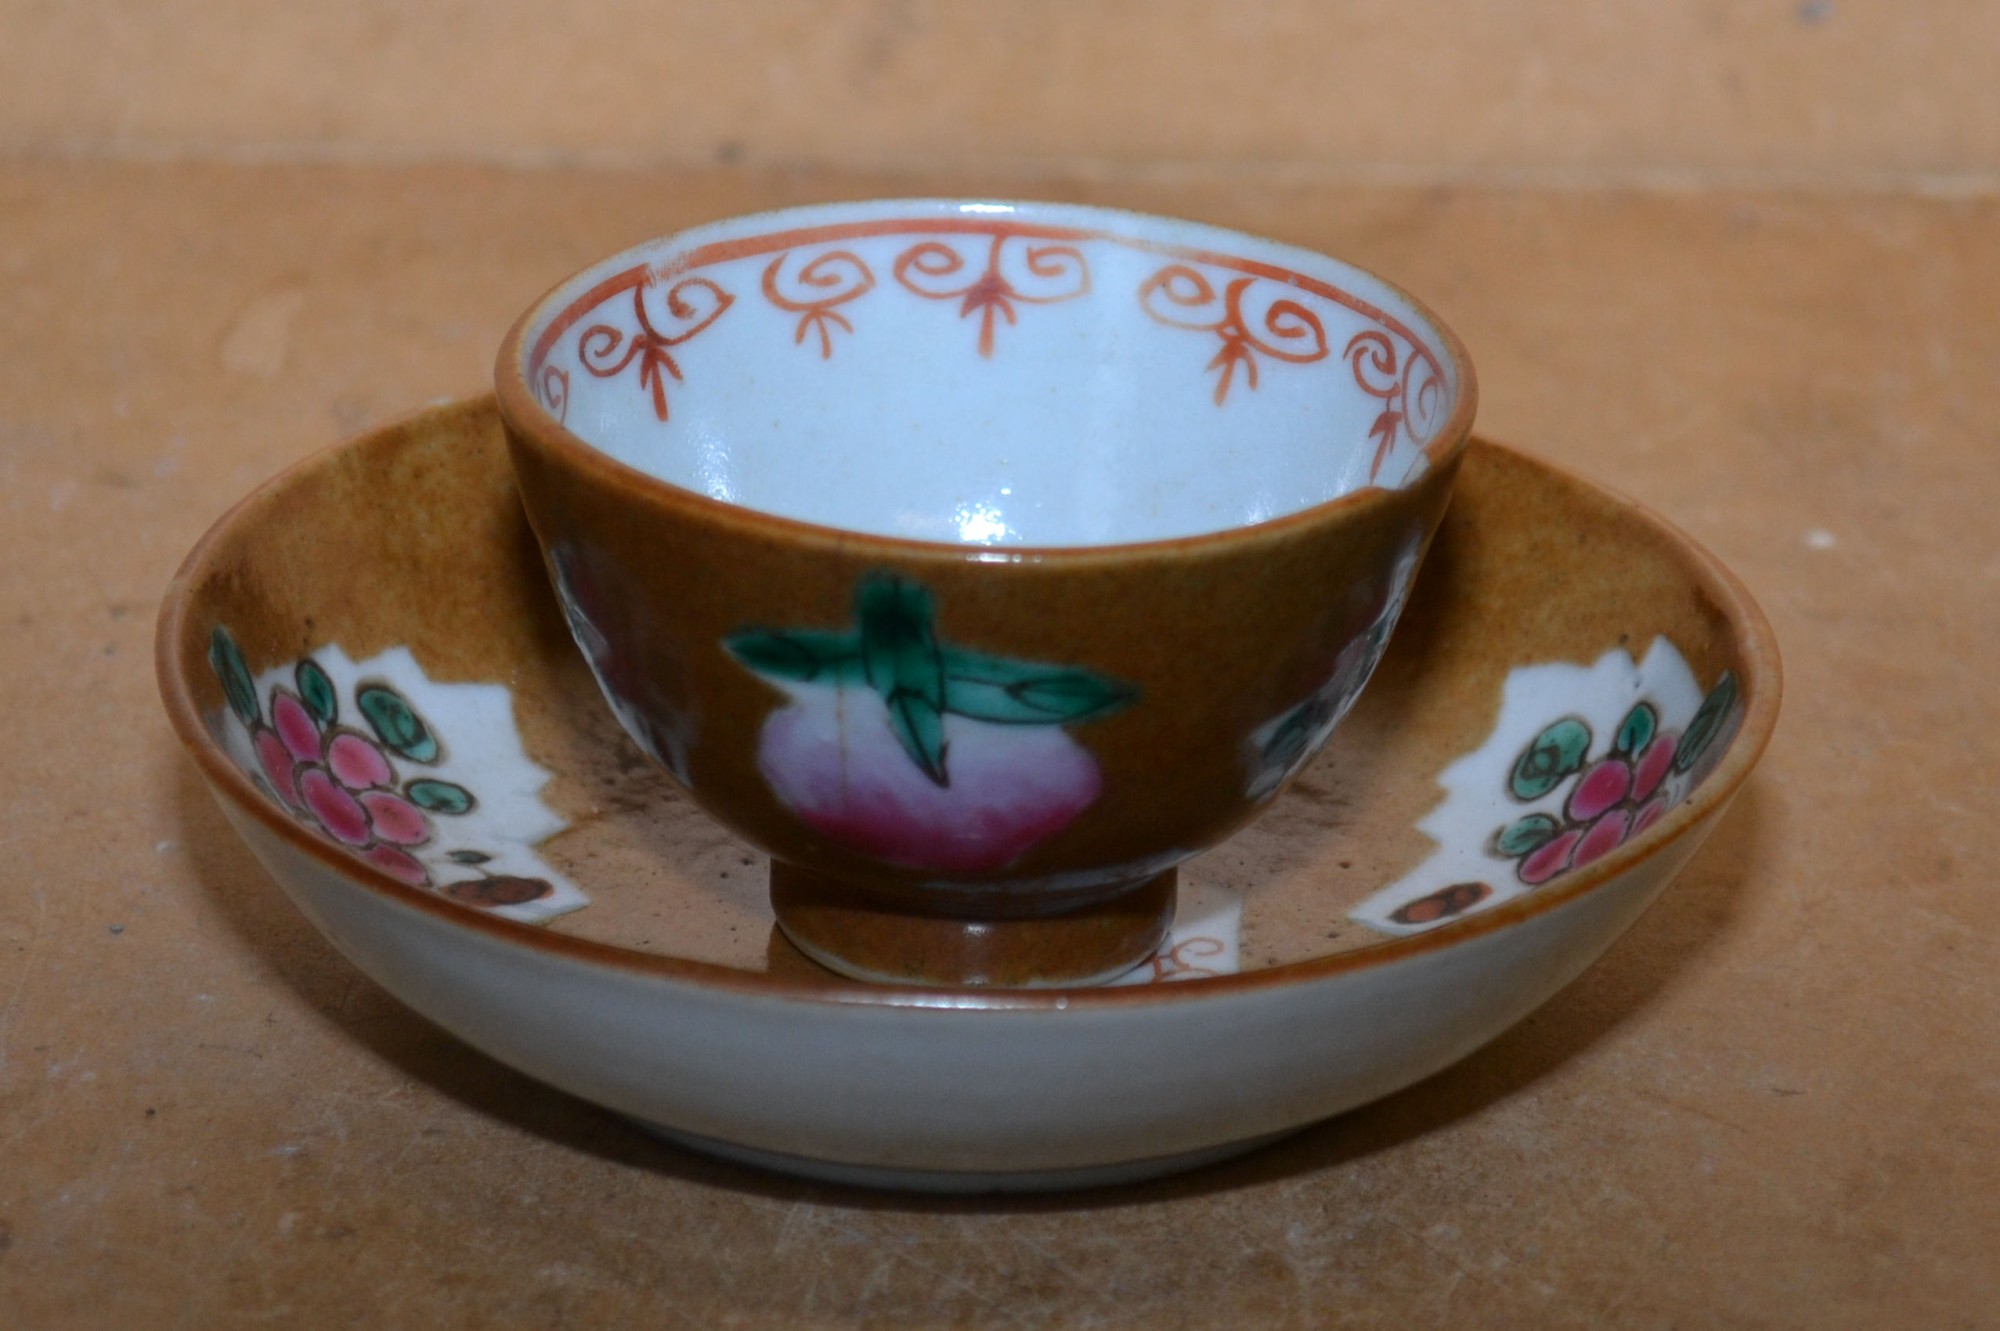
x=1582, y=760
x=427, y=782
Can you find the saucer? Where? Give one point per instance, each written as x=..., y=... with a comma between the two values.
x=366, y=662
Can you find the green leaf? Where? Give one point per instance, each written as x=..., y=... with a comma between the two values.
x=1524, y=837
x=802, y=656
x=1707, y=723
x=1556, y=753
x=227, y=662
x=1636, y=731
x=900, y=660
x=895, y=652
x=898, y=648
x=317, y=691
x=396, y=723
x=468, y=857
x=919, y=728
x=440, y=797
x=993, y=688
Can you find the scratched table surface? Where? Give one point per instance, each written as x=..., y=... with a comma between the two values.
x=1775, y=1103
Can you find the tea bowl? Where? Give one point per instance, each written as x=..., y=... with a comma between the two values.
x=1576, y=695
x=980, y=561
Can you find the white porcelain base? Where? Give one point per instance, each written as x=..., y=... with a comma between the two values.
x=961, y=1182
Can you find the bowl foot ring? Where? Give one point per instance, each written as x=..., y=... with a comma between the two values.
x=882, y=941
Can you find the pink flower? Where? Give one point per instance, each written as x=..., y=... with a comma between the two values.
x=342, y=781
x=397, y=864
x=1648, y=814
x=833, y=758
x=1550, y=859
x=1604, y=836
x=1601, y=786
x=1613, y=800
x=1654, y=764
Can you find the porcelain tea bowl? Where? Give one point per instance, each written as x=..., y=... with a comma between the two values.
x=981, y=562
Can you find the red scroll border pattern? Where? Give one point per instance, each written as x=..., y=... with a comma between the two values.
x=992, y=294
x=1285, y=323
x=824, y=283
x=606, y=351
x=1411, y=394
x=1411, y=388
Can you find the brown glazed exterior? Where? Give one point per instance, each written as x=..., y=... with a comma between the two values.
x=1532, y=564
x=1220, y=636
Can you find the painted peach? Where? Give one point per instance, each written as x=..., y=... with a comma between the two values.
x=833, y=758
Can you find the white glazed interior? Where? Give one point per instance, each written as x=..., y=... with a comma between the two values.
x=1116, y=377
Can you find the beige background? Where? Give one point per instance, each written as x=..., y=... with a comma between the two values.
x=1833, y=93
x=1740, y=259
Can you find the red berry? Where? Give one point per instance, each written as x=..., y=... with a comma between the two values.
x=1550, y=859
x=396, y=819
x=295, y=726
x=276, y=760
x=1605, y=835
x=358, y=763
x=1648, y=815
x=1654, y=764
x=505, y=890
x=1599, y=788
x=338, y=812
x=397, y=865
x=1442, y=904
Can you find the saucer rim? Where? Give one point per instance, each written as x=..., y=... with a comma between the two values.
x=1762, y=676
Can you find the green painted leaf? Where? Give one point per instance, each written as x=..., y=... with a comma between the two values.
x=469, y=857
x=993, y=688
x=1075, y=695
x=1526, y=836
x=1636, y=731
x=440, y=796
x=802, y=656
x=895, y=652
x=227, y=662
x=317, y=692
x=898, y=648
x=396, y=723
x=919, y=728
x=900, y=660
x=1556, y=753
x=1707, y=723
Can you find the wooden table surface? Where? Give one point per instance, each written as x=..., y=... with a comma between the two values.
x=1775, y=1103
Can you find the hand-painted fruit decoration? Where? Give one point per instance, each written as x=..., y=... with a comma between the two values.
x=922, y=754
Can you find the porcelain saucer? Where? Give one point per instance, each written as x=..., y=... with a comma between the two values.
x=366, y=662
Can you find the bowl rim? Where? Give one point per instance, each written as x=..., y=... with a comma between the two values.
x=529, y=422
x=1761, y=680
